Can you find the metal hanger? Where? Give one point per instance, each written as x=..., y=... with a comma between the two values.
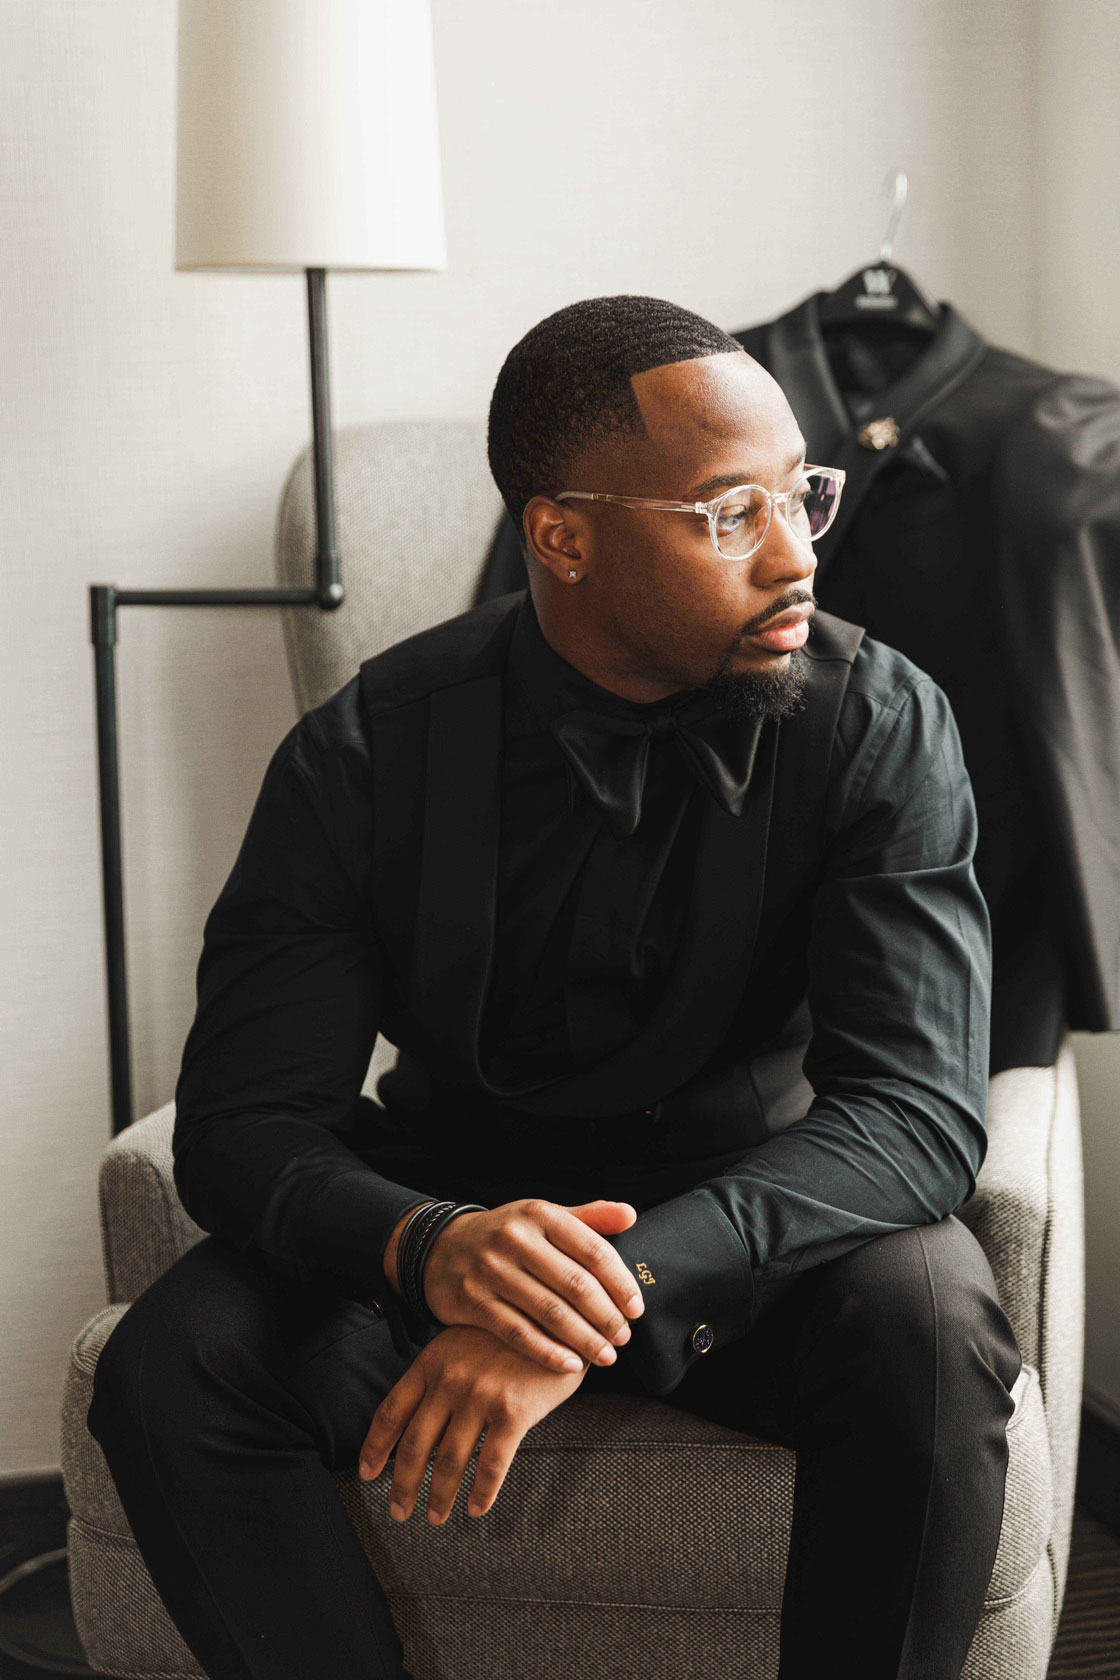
x=882, y=292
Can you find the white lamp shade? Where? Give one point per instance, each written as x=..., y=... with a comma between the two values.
x=307, y=136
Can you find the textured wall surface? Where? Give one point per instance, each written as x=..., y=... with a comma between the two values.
x=729, y=155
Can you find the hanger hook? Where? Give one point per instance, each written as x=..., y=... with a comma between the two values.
x=900, y=190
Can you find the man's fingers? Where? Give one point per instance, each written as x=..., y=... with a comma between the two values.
x=598, y=1285
x=414, y=1449
x=456, y=1445
x=494, y=1459
x=390, y=1420
x=524, y=1335
x=605, y=1216
x=569, y=1234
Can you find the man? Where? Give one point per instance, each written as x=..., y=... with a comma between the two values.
x=599, y=858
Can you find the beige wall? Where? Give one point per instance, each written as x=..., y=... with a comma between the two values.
x=728, y=155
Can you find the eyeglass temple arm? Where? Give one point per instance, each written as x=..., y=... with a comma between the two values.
x=632, y=501
x=690, y=507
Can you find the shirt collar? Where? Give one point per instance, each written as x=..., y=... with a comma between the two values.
x=541, y=684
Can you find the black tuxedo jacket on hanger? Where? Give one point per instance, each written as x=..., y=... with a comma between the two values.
x=982, y=539
x=839, y=908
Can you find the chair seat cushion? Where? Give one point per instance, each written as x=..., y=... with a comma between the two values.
x=611, y=1501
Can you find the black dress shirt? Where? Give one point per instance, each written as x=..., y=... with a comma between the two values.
x=291, y=977
x=587, y=925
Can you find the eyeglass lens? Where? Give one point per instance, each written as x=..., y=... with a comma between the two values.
x=740, y=518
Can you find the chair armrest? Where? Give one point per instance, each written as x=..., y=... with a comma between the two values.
x=1028, y=1214
x=144, y=1226
x=1018, y=1194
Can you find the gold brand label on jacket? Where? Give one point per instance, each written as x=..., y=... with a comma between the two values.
x=879, y=434
x=644, y=1272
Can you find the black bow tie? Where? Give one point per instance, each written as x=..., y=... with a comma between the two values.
x=609, y=754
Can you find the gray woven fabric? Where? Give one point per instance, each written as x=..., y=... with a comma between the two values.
x=629, y=1539
x=144, y=1225
x=1028, y=1216
x=123, y=1625
x=416, y=510
x=1061, y=1309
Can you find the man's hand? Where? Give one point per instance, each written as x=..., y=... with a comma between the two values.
x=539, y=1277
x=462, y=1382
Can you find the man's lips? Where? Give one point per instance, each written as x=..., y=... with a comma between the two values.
x=788, y=629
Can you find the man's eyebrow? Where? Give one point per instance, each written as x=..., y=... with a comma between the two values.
x=728, y=481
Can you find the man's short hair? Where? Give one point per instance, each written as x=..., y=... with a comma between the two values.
x=566, y=385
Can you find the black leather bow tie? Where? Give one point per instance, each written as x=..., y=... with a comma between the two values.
x=609, y=753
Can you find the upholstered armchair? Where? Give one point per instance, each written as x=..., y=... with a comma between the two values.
x=630, y=1538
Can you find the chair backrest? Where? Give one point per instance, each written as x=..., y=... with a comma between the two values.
x=416, y=511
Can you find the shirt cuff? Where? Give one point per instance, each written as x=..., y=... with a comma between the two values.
x=694, y=1277
x=347, y=1229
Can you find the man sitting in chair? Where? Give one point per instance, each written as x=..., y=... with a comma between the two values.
x=662, y=883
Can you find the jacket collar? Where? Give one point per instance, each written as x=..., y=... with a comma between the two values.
x=794, y=352
x=798, y=359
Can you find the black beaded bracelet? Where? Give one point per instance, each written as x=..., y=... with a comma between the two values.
x=407, y=1253
x=427, y=1229
x=422, y=1235
x=415, y=1245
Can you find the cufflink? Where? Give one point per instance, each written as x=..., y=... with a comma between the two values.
x=702, y=1337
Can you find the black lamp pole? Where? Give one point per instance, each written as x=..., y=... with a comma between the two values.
x=104, y=600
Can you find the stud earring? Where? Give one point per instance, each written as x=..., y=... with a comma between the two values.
x=573, y=574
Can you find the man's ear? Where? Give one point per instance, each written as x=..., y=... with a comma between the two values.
x=552, y=535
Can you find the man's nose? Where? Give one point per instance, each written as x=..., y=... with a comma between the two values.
x=784, y=555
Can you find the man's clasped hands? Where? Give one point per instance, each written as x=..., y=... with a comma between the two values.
x=530, y=1295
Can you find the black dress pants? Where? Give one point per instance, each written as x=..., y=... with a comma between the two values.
x=227, y=1394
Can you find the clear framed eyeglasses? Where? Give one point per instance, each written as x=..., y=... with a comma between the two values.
x=739, y=519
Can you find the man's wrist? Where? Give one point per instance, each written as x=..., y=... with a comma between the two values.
x=389, y=1262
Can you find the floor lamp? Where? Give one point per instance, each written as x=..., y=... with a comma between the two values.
x=307, y=140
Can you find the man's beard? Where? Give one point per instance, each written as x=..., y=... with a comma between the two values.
x=765, y=694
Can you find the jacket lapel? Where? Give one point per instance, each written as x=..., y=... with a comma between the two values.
x=794, y=352
x=457, y=908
